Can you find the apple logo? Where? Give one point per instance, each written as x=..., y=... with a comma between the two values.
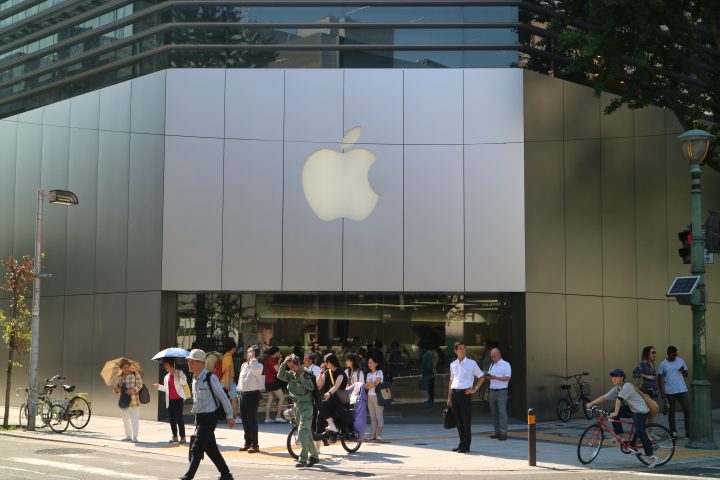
x=336, y=183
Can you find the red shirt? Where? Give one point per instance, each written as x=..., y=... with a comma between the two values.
x=270, y=373
x=171, y=388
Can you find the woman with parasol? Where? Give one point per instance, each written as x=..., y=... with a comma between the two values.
x=175, y=386
x=129, y=383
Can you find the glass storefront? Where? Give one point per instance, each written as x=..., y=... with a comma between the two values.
x=397, y=327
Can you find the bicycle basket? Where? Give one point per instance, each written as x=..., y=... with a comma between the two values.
x=583, y=389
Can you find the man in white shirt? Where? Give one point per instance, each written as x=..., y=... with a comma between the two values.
x=309, y=364
x=463, y=375
x=671, y=380
x=499, y=375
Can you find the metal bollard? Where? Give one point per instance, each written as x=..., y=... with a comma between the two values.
x=532, y=454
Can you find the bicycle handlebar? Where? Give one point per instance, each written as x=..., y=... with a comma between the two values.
x=577, y=375
x=55, y=378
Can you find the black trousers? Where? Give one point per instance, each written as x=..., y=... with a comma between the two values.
x=248, y=413
x=684, y=404
x=175, y=411
x=462, y=411
x=205, y=443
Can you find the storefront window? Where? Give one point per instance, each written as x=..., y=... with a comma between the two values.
x=395, y=327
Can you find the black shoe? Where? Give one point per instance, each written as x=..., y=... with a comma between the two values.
x=312, y=461
x=457, y=448
x=226, y=476
x=299, y=464
x=462, y=450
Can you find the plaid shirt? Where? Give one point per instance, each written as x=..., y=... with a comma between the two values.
x=133, y=383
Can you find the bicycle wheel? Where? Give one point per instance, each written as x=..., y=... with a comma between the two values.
x=663, y=444
x=58, y=419
x=590, y=444
x=564, y=410
x=351, y=443
x=24, y=409
x=588, y=413
x=293, y=443
x=79, y=412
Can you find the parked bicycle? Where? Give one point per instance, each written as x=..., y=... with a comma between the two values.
x=577, y=396
x=76, y=406
x=48, y=414
x=350, y=441
x=591, y=441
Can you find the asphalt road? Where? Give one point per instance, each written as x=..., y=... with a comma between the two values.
x=25, y=459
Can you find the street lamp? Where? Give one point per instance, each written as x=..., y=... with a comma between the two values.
x=60, y=197
x=695, y=146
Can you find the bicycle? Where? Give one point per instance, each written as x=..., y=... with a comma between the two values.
x=48, y=414
x=577, y=396
x=591, y=441
x=77, y=406
x=350, y=441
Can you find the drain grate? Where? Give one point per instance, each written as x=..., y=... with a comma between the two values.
x=64, y=451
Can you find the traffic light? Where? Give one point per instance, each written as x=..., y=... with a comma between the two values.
x=712, y=232
x=685, y=237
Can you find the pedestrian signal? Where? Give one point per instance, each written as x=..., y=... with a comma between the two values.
x=685, y=237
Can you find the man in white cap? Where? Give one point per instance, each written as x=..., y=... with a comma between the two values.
x=208, y=395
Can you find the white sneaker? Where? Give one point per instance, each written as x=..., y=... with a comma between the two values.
x=269, y=421
x=238, y=420
x=652, y=461
x=331, y=428
x=378, y=438
x=280, y=420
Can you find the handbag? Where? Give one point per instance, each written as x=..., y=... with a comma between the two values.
x=448, y=418
x=384, y=395
x=144, y=395
x=124, y=400
x=650, y=402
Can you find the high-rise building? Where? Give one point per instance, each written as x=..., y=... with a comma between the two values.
x=380, y=176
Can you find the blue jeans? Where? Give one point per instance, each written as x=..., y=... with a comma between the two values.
x=498, y=409
x=640, y=421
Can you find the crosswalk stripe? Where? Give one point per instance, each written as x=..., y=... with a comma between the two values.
x=34, y=472
x=103, y=472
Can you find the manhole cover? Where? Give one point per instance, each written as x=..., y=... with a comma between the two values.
x=64, y=451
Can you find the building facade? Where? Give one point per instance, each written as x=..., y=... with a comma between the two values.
x=316, y=201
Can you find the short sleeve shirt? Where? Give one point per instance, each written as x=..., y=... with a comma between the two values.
x=372, y=376
x=630, y=397
x=673, y=380
x=500, y=369
x=270, y=373
x=463, y=374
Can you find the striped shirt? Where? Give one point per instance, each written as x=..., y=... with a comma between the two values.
x=203, y=401
x=133, y=383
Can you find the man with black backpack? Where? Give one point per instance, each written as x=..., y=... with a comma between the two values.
x=301, y=386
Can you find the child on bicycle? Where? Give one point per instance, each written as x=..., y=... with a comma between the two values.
x=626, y=394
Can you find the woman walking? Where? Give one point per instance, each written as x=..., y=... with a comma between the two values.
x=647, y=373
x=174, y=385
x=249, y=385
x=374, y=378
x=128, y=385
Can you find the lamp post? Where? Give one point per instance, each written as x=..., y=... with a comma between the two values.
x=60, y=197
x=695, y=146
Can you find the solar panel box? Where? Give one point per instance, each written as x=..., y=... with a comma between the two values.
x=682, y=288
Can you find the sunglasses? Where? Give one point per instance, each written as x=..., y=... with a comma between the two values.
x=653, y=352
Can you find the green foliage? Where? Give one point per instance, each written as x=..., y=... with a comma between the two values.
x=15, y=327
x=651, y=52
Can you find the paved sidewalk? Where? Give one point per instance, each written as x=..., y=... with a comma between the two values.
x=412, y=447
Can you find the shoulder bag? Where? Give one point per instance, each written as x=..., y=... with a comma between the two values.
x=384, y=395
x=650, y=402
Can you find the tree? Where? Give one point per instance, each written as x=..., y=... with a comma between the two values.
x=16, y=328
x=654, y=52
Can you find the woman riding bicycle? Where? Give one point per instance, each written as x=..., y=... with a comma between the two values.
x=626, y=394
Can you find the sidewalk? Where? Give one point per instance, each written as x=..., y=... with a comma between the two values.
x=415, y=447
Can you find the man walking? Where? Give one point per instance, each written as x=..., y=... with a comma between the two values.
x=671, y=380
x=207, y=393
x=463, y=373
x=499, y=375
x=301, y=384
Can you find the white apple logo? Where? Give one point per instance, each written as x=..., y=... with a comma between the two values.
x=336, y=184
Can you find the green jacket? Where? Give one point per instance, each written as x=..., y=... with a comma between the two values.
x=300, y=385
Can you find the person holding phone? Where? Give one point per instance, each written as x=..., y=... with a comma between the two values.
x=671, y=379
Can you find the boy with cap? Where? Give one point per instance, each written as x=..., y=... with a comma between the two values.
x=625, y=393
x=207, y=394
